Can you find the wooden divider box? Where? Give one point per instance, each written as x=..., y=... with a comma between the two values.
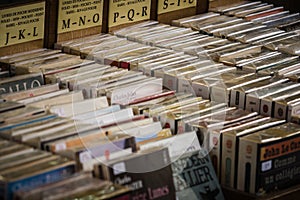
x=21, y=27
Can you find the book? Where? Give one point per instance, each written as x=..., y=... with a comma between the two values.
x=268, y=159
x=73, y=186
x=265, y=13
x=77, y=108
x=21, y=82
x=64, y=132
x=74, y=96
x=127, y=94
x=253, y=99
x=5, y=128
x=33, y=125
x=99, y=150
x=174, y=144
x=29, y=178
x=15, y=96
x=10, y=105
x=270, y=16
x=22, y=158
x=17, y=114
x=194, y=177
x=178, y=101
x=230, y=147
x=54, y=128
x=235, y=6
x=254, y=35
x=111, y=118
x=175, y=120
x=267, y=107
x=29, y=100
x=64, y=62
x=110, y=191
x=98, y=112
x=203, y=86
x=268, y=63
x=257, y=8
x=134, y=171
x=200, y=17
x=221, y=91
x=293, y=49
x=238, y=95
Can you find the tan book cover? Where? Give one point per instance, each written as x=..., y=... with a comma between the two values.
x=268, y=159
x=15, y=96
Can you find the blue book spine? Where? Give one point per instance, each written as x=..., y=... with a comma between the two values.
x=44, y=118
x=28, y=183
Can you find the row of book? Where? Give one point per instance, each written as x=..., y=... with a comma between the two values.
x=257, y=12
x=180, y=73
x=250, y=58
x=110, y=140
x=106, y=139
x=124, y=87
x=91, y=107
x=28, y=173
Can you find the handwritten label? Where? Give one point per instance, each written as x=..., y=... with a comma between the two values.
x=128, y=11
x=79, y=14
x=165, y=6
x=22, y=24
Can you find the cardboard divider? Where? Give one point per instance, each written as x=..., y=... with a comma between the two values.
x=120, y=14
x=168, y=10
x=76, y=19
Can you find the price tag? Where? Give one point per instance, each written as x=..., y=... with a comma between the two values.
x=119, y=168
x=165, y=6
x=85, y=157
x=60, y=146
x=22, y=24
x=128, y=11
x=79, y=14
x=265, y=166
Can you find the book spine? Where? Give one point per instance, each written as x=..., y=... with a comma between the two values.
x=293, y=110
x=247, y=166
x=214, y=147
x=24, y=84
x=170, y=82
x=252, y=103
x=40, y=179
x=266, y=107
x=201, y=90
x=280, y=110
x=228, y=160
x=220, y=94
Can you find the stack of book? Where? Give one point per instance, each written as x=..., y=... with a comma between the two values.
x=116, y=144
x=157, y=111
x=23, y=167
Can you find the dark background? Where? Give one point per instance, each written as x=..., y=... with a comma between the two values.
x=292, y=5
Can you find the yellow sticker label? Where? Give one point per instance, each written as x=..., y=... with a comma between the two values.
x=165, y=6
x=128, y=11
x=22, y=24
x=79, y=14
